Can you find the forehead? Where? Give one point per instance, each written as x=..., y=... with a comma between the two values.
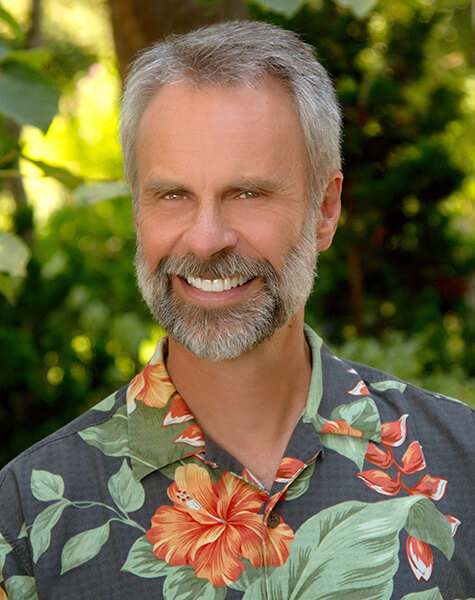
x=215, y=134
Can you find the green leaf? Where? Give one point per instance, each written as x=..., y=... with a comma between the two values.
x=348, y=446
x=33, y=57
x=300, y=485
x=40, y=534
x=14, y=254
x=389, y=384
x=288, y=8
x=360, y=8
x=182, y=584
x=427, y=524
x=106, y=404
x=249, y=576
x=142, y=562
x=347, y=551
x=67, y=178
x=432, y=594
x=46, y=486
x=110, y=437
x=26, y=96
x=126, y=492
x=7, y=287
x=8, y=18
x=21, y=587
x=83, y=546
x=362, y=414
x=107, y=190
x=4, y=51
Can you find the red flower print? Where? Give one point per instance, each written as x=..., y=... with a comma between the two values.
x=419, y=553
x=277, y=542
x=212, y=525
x=193, y=436
x=380, y=482
x=379, y=457
x=288, y=468
x=178, y=412
x=341, y=427
x=432, y=487
x=394, y=434
x=413, y=459
x=420, y=557
x=152, y=386
x=454, y=523
x=360, y=389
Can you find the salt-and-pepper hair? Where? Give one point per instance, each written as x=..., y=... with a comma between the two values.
x=239, y=52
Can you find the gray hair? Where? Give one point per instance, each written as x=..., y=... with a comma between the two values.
x=239, y=52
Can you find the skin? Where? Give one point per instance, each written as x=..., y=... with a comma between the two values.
x=225, y=168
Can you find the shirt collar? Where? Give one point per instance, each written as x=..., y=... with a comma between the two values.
x=163, y=431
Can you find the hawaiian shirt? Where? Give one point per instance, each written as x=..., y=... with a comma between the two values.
x=372, y=499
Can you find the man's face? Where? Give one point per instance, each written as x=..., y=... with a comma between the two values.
x=226, y=242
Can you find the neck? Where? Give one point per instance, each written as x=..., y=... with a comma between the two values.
x=248, y=405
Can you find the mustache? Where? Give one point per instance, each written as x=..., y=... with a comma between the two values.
x=222, y=266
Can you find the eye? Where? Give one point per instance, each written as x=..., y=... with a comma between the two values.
x=174, y=196
x=248, y=194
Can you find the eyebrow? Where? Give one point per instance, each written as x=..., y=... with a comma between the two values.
x=159, y=186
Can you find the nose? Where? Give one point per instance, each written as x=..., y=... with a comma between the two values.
x=209, y=233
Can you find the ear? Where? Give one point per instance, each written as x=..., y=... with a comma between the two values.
x=330, y=211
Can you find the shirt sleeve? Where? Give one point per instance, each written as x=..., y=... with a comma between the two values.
x=16, y=574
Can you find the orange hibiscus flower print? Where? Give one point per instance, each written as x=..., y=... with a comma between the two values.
x=153, y=385
x=212, y=525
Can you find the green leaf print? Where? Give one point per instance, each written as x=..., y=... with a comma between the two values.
x=5, y=549
x=110, y=437
x=300, y=485
x=349, y=550
x=362, y=415
x=141, y=561
x=125, y=490
x=348, y=446
x=106, y=404
x=432, y=594
x=83, y=546
x=46, y=486
x=182, y=584
x=389, y=384
x=23, y=532
x=426, y=523
x=40, y=534
x=250, y=575
x=21, y=587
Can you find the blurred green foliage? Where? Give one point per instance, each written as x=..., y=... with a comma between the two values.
x=394, y=289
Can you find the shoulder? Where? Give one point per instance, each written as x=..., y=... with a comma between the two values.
x=387, y=386
x=67, y=454
x=57, y=445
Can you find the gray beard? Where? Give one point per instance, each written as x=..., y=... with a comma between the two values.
x=226, y=332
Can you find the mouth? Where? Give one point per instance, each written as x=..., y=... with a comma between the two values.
x=216, y=285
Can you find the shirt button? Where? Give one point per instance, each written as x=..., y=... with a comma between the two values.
x=273, y=520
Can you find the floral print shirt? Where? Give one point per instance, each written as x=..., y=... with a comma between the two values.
x=372, y=500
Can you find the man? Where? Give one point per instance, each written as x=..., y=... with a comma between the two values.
x=246, y=460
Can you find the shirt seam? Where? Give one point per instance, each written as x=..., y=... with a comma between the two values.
x=19, y=553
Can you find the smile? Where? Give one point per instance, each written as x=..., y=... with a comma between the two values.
x=215, y=285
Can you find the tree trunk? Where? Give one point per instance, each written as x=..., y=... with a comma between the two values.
x=138, y=23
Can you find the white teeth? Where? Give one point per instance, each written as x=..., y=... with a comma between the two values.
x=215, y=285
